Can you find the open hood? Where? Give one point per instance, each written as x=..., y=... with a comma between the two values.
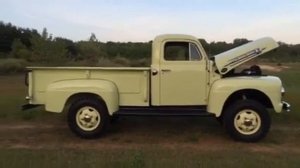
x=230, y=59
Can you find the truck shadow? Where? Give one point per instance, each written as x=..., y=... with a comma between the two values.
x=164, y=129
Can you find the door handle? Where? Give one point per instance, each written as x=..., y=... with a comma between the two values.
x=166, y=70
x=154, y=72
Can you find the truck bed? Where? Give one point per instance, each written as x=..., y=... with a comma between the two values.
x=132, y=83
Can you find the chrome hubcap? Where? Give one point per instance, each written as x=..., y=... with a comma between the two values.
x=247, y=122
x=88, y=118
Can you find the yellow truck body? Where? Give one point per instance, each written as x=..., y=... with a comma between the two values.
x=181, y=75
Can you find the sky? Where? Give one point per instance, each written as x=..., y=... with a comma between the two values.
x=142, y=20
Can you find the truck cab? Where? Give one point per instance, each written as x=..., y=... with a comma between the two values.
x=179, y=71
x=182, y=80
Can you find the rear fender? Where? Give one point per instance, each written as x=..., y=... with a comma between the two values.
x=59, y=92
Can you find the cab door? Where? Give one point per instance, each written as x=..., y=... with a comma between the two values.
x=182, y=78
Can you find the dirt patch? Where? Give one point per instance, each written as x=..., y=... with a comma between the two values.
x=265, y=149
x=53, y=136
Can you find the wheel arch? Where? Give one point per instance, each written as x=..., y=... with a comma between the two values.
x=251, y=94
x=60, y=94
x=77, y=96
x=219, y=99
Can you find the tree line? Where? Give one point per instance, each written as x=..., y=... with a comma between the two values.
x=34, y=48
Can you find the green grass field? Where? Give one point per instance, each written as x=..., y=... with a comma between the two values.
x=36, y=138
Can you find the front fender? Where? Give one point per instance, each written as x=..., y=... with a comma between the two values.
x=223, y=88
x=57, y=93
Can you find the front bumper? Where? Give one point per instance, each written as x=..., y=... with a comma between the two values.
x=286, y=106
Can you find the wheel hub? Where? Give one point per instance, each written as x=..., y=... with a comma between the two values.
x=88, y=118
x=247, y=122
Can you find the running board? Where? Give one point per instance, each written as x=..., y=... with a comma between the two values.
x=163, y=111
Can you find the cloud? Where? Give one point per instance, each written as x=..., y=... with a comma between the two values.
x=134, y=20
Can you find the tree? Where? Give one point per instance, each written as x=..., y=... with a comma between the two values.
x=50, y=52
x=240, y=41
x=93, y=38
x=70, y=46
x=19, y=50
x=45, y=34
x=91, y=51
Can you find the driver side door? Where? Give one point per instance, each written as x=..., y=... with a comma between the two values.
x=182, y=75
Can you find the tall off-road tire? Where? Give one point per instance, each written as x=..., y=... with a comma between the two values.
x=220, y=120
x=247, y=121
x=88, y=118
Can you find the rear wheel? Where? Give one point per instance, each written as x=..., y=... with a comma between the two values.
x=88, y=118
x=247, y=120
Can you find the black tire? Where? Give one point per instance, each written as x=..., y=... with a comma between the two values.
x=114, y=118
x=220, y=120
x=233, y=117
x=91, y=106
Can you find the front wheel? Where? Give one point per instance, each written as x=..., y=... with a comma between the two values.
x=88, y=118
x=247, y=120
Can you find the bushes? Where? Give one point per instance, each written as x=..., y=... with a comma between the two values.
x=12, y=65
x=111, y=62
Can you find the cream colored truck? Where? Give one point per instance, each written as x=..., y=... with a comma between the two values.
x=182, y=80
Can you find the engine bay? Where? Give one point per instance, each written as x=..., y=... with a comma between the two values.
x=253, y=70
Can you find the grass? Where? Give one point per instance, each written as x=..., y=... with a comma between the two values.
x=12, y=65
x=13, y=92
x=146, y=157
x=291, y=81
x=39, y=139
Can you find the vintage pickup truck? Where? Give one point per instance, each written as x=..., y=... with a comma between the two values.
x=182, y=80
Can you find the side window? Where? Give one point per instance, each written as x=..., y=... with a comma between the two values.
x=181, y=51
x=194, y=53
x=177, y=51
